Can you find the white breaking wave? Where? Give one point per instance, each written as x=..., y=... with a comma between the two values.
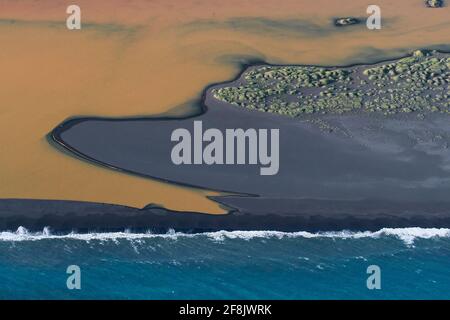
x=407, y=235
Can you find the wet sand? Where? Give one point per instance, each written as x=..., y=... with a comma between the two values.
x=142, y=58
x=68, y=216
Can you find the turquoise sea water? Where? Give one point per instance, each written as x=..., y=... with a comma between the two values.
x=414, y=263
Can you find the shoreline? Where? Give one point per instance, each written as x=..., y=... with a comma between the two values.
x=317, y=196
x=83, y=217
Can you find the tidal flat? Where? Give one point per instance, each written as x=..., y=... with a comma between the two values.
x=385, y=167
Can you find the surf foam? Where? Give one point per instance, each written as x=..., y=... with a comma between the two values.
x=407, y=235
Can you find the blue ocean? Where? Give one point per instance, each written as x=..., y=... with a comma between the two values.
x=414, y=264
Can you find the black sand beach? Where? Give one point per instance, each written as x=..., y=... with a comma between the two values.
x=370, y=171
x=67, y=216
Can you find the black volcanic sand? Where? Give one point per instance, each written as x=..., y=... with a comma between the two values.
x=402, y=161
x=399, y=158
x=67, y=216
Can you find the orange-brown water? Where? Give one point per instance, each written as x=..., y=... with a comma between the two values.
x=144, y=57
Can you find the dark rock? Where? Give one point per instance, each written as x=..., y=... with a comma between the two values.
x=347, y=21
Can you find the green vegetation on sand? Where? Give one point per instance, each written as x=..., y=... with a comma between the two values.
x=417, y=83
